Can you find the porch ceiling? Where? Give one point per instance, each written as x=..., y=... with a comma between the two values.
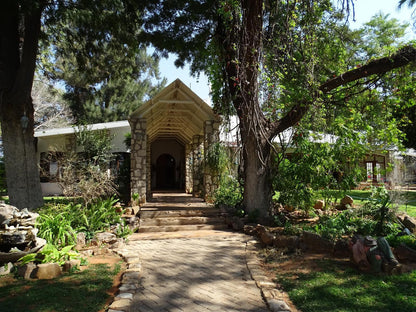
x=176, y=112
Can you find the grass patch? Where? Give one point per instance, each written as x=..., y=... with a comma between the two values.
x=84, y=291
x=338, y=288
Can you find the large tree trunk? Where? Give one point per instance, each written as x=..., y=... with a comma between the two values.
x=253, y=126
x=19, y=35
x=22, y=172
x=257, y=186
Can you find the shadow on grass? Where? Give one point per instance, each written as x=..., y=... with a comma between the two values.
x=338, y=288
x=78, y=292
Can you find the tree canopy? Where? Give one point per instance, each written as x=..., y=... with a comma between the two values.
x=273, y=63
x=107, y=73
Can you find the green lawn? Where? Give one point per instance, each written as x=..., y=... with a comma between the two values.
x=340, y=288
x=84, y=291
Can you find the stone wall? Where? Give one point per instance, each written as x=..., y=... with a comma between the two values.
x=139, y=155
x=197, y=166
x=211, y=178
x=189, y=182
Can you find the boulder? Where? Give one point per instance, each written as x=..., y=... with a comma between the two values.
x=6, y=213
x=315, y=243
x=81, y=239
x=289, y=208
x=410, y=223
x=405, y=253
x=289, y=242
x=6, y=268
x=70, y=264
x=347, y=200
x=319, y=205
x=48, y=271
x=264, y=235
x=26, y=270
x=106, y=237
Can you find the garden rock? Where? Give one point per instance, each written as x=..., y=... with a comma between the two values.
x=5, y=269
x=405, y=253
x=347, y=202
x=119, y=244
x=25, y=271
x=266, y=237
x=106, y=237
x=289, y=242
x=250, y=230
x=409, y=223
x=17, y=233
x=237, y=223
x=48, y=271
x=278, y=305
x=6, y=213
x=71, y=264
x=312, y=241
x=319, y=205
x=81, y=239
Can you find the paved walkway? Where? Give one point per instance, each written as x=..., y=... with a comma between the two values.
x=205, y=273
x=194, y=271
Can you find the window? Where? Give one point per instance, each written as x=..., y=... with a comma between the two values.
x=50, y=167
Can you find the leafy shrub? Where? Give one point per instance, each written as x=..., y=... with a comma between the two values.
x=315, y=167
x=56, y=229
x=51, y=254
x=59, y=224
x=96, y=217
x=229, y=192
x=407, y=240
x=375, y=218
x=379, y=207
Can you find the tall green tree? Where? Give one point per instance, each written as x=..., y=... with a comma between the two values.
x=21, y=22
x=105, y=79
x=240, y=38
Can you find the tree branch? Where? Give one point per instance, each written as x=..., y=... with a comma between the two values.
x=403, y=57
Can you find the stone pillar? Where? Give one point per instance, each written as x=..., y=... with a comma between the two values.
x=189, y=181
x=148, y=170
x=138, y=158
x=197, y=166
x=211, y=177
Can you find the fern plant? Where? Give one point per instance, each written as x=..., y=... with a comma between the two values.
x=56, y=229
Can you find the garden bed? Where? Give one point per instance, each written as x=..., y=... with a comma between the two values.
x=91, y=289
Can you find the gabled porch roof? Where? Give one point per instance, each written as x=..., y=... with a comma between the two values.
x=175, y=112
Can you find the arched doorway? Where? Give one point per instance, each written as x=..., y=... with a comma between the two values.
x=165, y=172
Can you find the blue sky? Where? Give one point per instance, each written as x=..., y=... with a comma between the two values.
x=365, y=9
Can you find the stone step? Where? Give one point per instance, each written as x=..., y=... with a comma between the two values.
x=165, y=221
x=179, y=228
x=152, y=213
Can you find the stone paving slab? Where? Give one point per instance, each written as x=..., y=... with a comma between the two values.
x=192, y=274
